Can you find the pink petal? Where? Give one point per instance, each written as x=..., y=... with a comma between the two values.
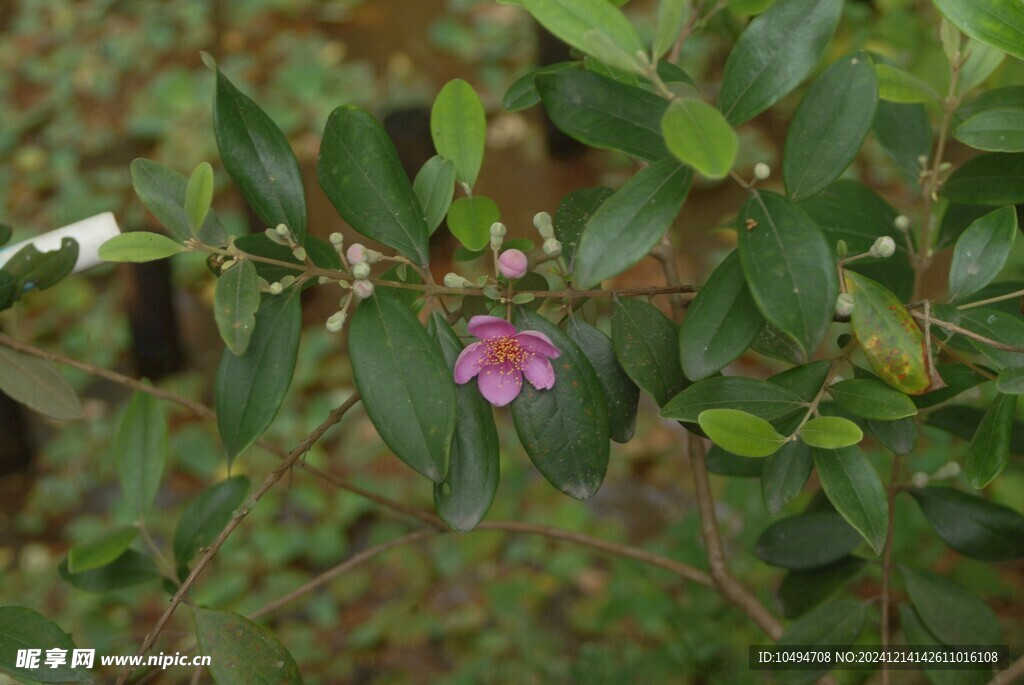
x=500, y=384
x=538, y=343
x=468, y=363
x=485, y=327
x=539, y=372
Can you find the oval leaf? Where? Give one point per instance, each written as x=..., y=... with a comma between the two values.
x=131, y=568
x=199, y=195
x=982, y=252
x=999, y=23
x=242, y=652
x=896, y=85
x=101, y=551
x=163, y=191
x=990, y=447
x=645, y=345
x=140, y=450
x=899, y=437
x=620, y=393
x=807, y=541
x=434, y=187
x=470, y=219
x=523, y=93
x=22, y=628
x=971, y=525
x=38, y=384
x=855, y=490
x=206, y=515
x=801, y=591
x=1000, y=129
x=458, y=127
x=572, y=20
x=764, y=399
x=740, y=433
x=139, y=246
x=698, y=135
x=871, y=399
x=994, y=178
x=951, y=613
x=572, y=216
x=236, y=300
x=784, y=474
x=999, y=326
x=905, y=132
x=1011, y=381
x=831, y=432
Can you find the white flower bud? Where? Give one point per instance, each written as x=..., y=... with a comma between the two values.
x=362, y=289
x=281, y=230
x=884, y=247
x=901, y=223
x=299, y=253
x=336, y=238
x=336, y=321
x=372, y=256
x=844, y=305
x=276, y=288
x=274, y=237
x=323, y=280
x=919, y=479
x=542, y=222
x=762, y=171
x=453, y=280
x=552, y=248
x=361, y=270
x=498, y=232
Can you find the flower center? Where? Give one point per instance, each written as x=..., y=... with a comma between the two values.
x=506, y=350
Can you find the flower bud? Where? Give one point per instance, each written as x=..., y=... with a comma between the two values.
x=372, y=256
x=281, y=230
x=361, y=270
x=498, y=231
x=323, y=280
x=362, y=289
x=512, y=264
x=762, y=171
x=901, y=223
x=274, y=237
x=336, y=321
x=453, y=280
x=542, y=222
x=844, y=305
x=552, y=248
x=842, y=249
x=919, y=479
x=299, y=253
x=883, y=247
x=336, y=238
x=356, y=253
x=276, y=288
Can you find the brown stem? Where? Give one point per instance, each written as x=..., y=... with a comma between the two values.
x=1011, y=674
x=665, y=254
x=966, y=333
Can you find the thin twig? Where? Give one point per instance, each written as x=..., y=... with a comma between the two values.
x=1010, y=675
x=966, y=333
x=992, y=300
x=665, y=254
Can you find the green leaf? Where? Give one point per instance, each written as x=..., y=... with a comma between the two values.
x=629, y=223
x=572, y=20
x=804, y=381
x=958, y=379
x=361, y=174
x=830, y=125
x=951, y=613
x=698, y=135
x=139, y=246
x=801, y=591
x=807, y=541
x=896, y=85
x=611, y=56
x=899, y=437
x=163, y=191
x=100, y=551
x=918, y=635
x=748, y=7
x=32, y=269
x=871, y=399
x=741, y=433
x=470, y=219
x=620, y=393
x=720, y=322
x=467, y=491
x=999, y=326
x=259, y=159
x=5, y=233
x=971, y=525
x=995, y=178
x=1000, y=129
x=23, y=628
x=645, y=345
x=763, y=399
x=990, y=447
x=774, y=54
x=1011, y=381
x=833, y=625
x=242, y=652
x=38, y=384
x=523, y=92
x=8, y=290
x=789, y=267
x=199, y=195
x=603, y=113
x=982, y=252
x=1007, y=96
x=905, y=132
x=249, y=388
x=236, y=300
x=999, y=23
x=672, y=15
x=434, y=186
x=406, y=386
x=981, y=61
x=784, y=475
x=728, y=464
x=131, y=568
x=855, y=490
x=458, y=127
x=831, y=432
x=206, y=515
x=140, y=451
x=572, y=216
x=963, y=421
x=565, y=429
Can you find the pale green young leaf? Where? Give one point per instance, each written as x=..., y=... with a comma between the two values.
x=236, y=299
x=199, y=195
x=102, y=550
x=999, y=23
x=698, y=135
x=672, y=14
x=458, y=126
x=897, y=85
x=140, y=450
x=740, y=433
x=570, y=20
x=831, y=432
x=139, y=246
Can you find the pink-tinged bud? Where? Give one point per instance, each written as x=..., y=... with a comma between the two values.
x=356, y=253
x=512, y=264
x=362, y=289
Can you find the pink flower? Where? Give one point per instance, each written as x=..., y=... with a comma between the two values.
x=512, y=264
x=503, y=357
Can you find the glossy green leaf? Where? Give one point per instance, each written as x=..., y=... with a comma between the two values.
x=971, y=525
x=899, y=437
x=951, y=613
x=834, y=625
x=801, y=591
x=467, y=491
x=1007, y=96
x=406, y=386
x=458, y=126
x=905, y=132
x=810, y=540
x=982, y=252
x=646, y=347
x=763, y=399
x=572, y=20
x=604, y=113
x=773, y=343
x=999, y=23
x=981, y=61
x=359, y=171
x=728, y=464
x=830, y=125
x=774, y=54
x=139, y=246
x=601, y=47
x=1011, y=381
x=572, y=216
x=958, y=378
x=720, y=322
x=963, y=421
x=32, y=269
x=871, y=399
x=897, y=85
x=669, y=72
x=620, y=393
x=320, y=251
x=997, y=325
x=199, y=195
x=989, y=451
x=140, y=450
x=831, y=432
x=805, y=380
x=242, y=652
x=102, y=550
x=38, y=384
x=994, y=178
x=741, y=433
x=917, y=634
x=565, y=429
x=249, y=388
x=785, y=474
x=523, y=92
x=23, y=628
x=855, y=490
x=259, y=159
x=672, y=15
x=789, y=268
x=206, y=515
x=434, y=186
x=470, y=219
x=131, y=568
x=698, y=135
x=1000, y=129
x=163, y=191
x=235, y=302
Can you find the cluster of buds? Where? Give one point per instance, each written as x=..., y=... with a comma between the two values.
x=360, y=258
x=282, y=235
x=950, y=469
x=542, y=222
